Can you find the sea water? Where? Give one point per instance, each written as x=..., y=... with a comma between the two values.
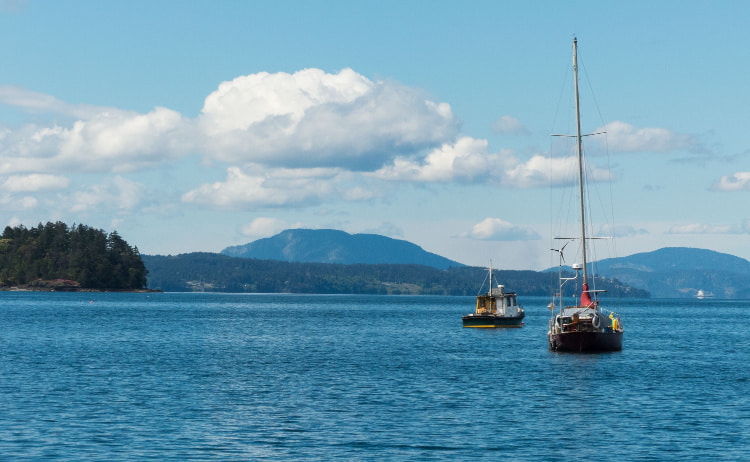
x=169, y=376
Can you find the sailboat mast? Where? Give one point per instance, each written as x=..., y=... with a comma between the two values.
x=580, y=158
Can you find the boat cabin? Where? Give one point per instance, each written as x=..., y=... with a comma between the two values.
x=497, y=301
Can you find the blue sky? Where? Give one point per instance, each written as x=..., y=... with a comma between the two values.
x=192, y=126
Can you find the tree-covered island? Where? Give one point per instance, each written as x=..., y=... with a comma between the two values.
x=57, y=257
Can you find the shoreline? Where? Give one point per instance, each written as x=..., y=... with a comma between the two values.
x=73, y=289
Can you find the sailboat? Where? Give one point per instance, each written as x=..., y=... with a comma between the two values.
x=496, y=308
x=584, y=327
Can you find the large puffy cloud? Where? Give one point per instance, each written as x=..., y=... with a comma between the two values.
x=306, y=119
x=247, y=100
x=126, y=141
x=495, y=229
x=623, y=137
x=468, y=160
x=311, y=118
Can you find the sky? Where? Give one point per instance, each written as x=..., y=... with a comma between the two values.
x=191, y=126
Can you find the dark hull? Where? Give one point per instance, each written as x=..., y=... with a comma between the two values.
x=491, y=321
x=580, y=342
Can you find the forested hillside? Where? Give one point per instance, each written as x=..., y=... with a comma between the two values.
x=80, y=255
x=219, y=273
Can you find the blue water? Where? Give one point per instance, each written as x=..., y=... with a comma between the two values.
x=299, y=377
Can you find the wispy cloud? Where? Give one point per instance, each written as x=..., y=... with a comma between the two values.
x=275, y=188
x=495, y=229
x=119, y=193
x=508, y=125
x=623, y=137
x=704, y=228
x=621, y=231
x=386, y=229
x=38, y=103
x=265, y=227
x=35, y=182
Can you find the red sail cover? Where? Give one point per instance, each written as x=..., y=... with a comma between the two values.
x=585, y=297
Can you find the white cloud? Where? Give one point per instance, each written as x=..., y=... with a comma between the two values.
x=249, y=99
x=468, y=160
x=357, y=194
x=108, y=141
x=462, y=160
x=704, y=228
x=29, y=202
x=311, y=118
x=119, y=193
x=386, y=229
x=509, y=126
x=35, y=102
x=620, y=231
x=495, y=229
x=623, y=137
x=736, y=182
x=34, y=182
x=540, y=171
x=263, y=227
x=304, y=120
x=276, y=188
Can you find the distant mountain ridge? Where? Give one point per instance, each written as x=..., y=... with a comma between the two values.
x=335, y=246
x=679, y=272
x=671, y=272
x=679, y=258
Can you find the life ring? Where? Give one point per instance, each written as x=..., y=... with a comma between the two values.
x=596, y=321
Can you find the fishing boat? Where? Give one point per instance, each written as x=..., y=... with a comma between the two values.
x=584, y=326
x=495, y=308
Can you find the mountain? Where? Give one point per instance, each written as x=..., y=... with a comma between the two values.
x=677, y=272
x=334, y=246
x=679, y=259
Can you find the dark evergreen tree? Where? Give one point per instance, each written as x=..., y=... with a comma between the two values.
x=80, y=253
